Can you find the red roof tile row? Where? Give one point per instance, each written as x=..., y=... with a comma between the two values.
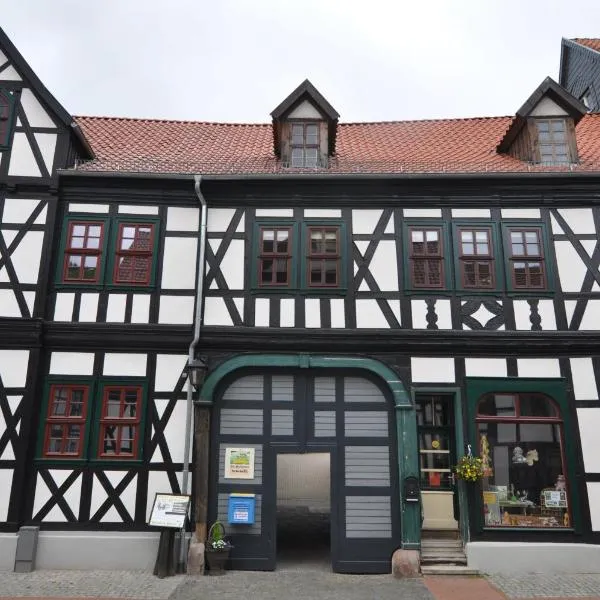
x=435, y=146
x=593, y=43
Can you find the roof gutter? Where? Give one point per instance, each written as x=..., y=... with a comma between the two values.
x=192, y=352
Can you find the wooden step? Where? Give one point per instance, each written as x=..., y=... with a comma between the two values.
x=448, y=570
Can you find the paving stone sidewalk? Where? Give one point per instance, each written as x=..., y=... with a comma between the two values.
x=548, y=586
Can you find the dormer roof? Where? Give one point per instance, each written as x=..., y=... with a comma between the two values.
x=306, y=92
x=537, y=105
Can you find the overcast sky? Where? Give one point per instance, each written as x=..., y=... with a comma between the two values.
x=235, y=60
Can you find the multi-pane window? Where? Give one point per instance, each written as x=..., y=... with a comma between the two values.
x=552, y=138
x=65, y=421
x=304, y=145
x=476, y=258
x=275, y=256
x=120, y=422
x=426, y=257
x=323, y=257
x=83, y=252
x=526, y=260
x=133, y=261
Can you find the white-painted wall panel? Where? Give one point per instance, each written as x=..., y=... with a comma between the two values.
x=88, y=309
x=176, y=310
x=72, y=363
x=137, y=209
x=422, y=212
x=6, y=476
x=158, y=482
x=546, y=310
x=9, y=307
x=13, y=367
x=18, y=210
x=419, y=313
x=305, y=110
x=471, y=213
x=444, y=312
x=169, y=368
x=522, y=313
x=323, y=213
x=72, y=495
x=88, y=208
x=589, y=425
x=369, y=315
x=338, y=313
x=183, y=219
x=548, y=108
x=383, y=266
x=140, y=308
x=312, y=312
x=580, y=220
x=538, y=367
x=521, y=213
x=127, y=365
x=365, y=220
x=175, y=431
x=485, y=367
x=218, y=219
x=10, y=74
x=593, y=490
x=262, y=308
x=63, y=308
x=22, y=159
x=232, y=265
x=47, y=145
x=215, y=312
x=179, y=263
x=27, y=255
x=584, y=380
x=275, y=212
x=115, y=311
x=570, y=267
x=591, y=316
x=432, y=370
x=287, y=312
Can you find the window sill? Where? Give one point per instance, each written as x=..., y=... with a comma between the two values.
x=338, y=291
x=79, y=286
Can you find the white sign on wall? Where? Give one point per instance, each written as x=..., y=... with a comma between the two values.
x=239, y=463
x=169, y=510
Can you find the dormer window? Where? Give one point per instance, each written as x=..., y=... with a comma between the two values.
x=305, y=145
x=553, y=143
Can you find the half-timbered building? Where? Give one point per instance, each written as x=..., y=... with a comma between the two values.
x=383, y=298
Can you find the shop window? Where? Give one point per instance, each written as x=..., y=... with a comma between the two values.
x=525, y=483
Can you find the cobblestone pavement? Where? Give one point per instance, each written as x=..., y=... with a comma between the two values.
x=548, y=586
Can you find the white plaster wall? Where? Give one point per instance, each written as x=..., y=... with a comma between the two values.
x=545, y=310
x=548, y=108
x=169, y=368
x=412, y=213
x=580, y=220
x=323, y=213
x=274, y=212
x=593, y=489
x=63, y=308
x=127, y=496
x=18, y=210
x=262, y=307
x=175, y=431
x=71, y=363
x=589, y=426
x=88, y=208
x=6, y=476
x=215, y=312
x=22, y=160
x=9, y=307
x=287, y=312
x=591, y=316
x=584, y=379
x=137, y=209
x=571, y=269
x=305, y=110
x=179, y=263
x=115, y=311
x=132, y=365
x=88, y=309
x=312, y=312
x=36, y=115
x=26, y=258
x=432, y=370
x=218, y=219
x=471, y=213
x=538, y=367
x=485, y=367
x=365, y=220
x=182, y=219
x=47, y=144
x=232, y=265
x=369, y=315
x=521, y=213
x=140, y=308
x=13, y=367
x=442, y=310
x=383, y=266
x=176, y=310
x=338, y=313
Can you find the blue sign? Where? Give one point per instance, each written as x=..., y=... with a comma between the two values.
x=241, y=509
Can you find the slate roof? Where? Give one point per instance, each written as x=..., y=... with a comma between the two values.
x=593, y=43
x=428, y=146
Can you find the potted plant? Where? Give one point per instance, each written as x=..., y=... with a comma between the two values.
x=469, y=468
x=217, y=549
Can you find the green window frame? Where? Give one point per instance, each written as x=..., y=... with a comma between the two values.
x=96, y=419
x=544, y=257
x=108, y=252
x=300, y=255
x=555, y=389
x=445, y=257
x=7, y=117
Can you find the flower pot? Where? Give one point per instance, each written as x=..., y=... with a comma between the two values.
x=217, y=559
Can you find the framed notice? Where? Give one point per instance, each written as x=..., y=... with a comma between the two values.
x=491, y=508
x=554, y=498
x=239, y=463
x=169, y=510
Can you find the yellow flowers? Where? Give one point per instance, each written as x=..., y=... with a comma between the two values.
x=469, y=468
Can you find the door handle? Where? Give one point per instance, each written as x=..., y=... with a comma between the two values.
x=452, y=478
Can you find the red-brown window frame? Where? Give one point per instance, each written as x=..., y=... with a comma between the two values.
x=134, y=253
x=322, y=257
x=525, y=258
x=304, y=145
x=518, y=419
x=83, y=251
x=274, y=256
x=66, y=420
x=477, y=258
x=106, y=421
x=426, y=257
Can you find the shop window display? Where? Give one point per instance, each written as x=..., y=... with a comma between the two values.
x=521, y=445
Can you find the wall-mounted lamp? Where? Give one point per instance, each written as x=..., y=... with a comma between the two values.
x=196, y=370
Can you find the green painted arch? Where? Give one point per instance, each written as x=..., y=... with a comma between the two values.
x=305, y=361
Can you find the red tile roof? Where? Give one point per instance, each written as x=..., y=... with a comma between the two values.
x=593, y=43
x=449, y=145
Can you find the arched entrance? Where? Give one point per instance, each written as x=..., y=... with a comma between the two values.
x=354, y=410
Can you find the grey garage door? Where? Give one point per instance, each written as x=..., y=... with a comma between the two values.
x=344, y=414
